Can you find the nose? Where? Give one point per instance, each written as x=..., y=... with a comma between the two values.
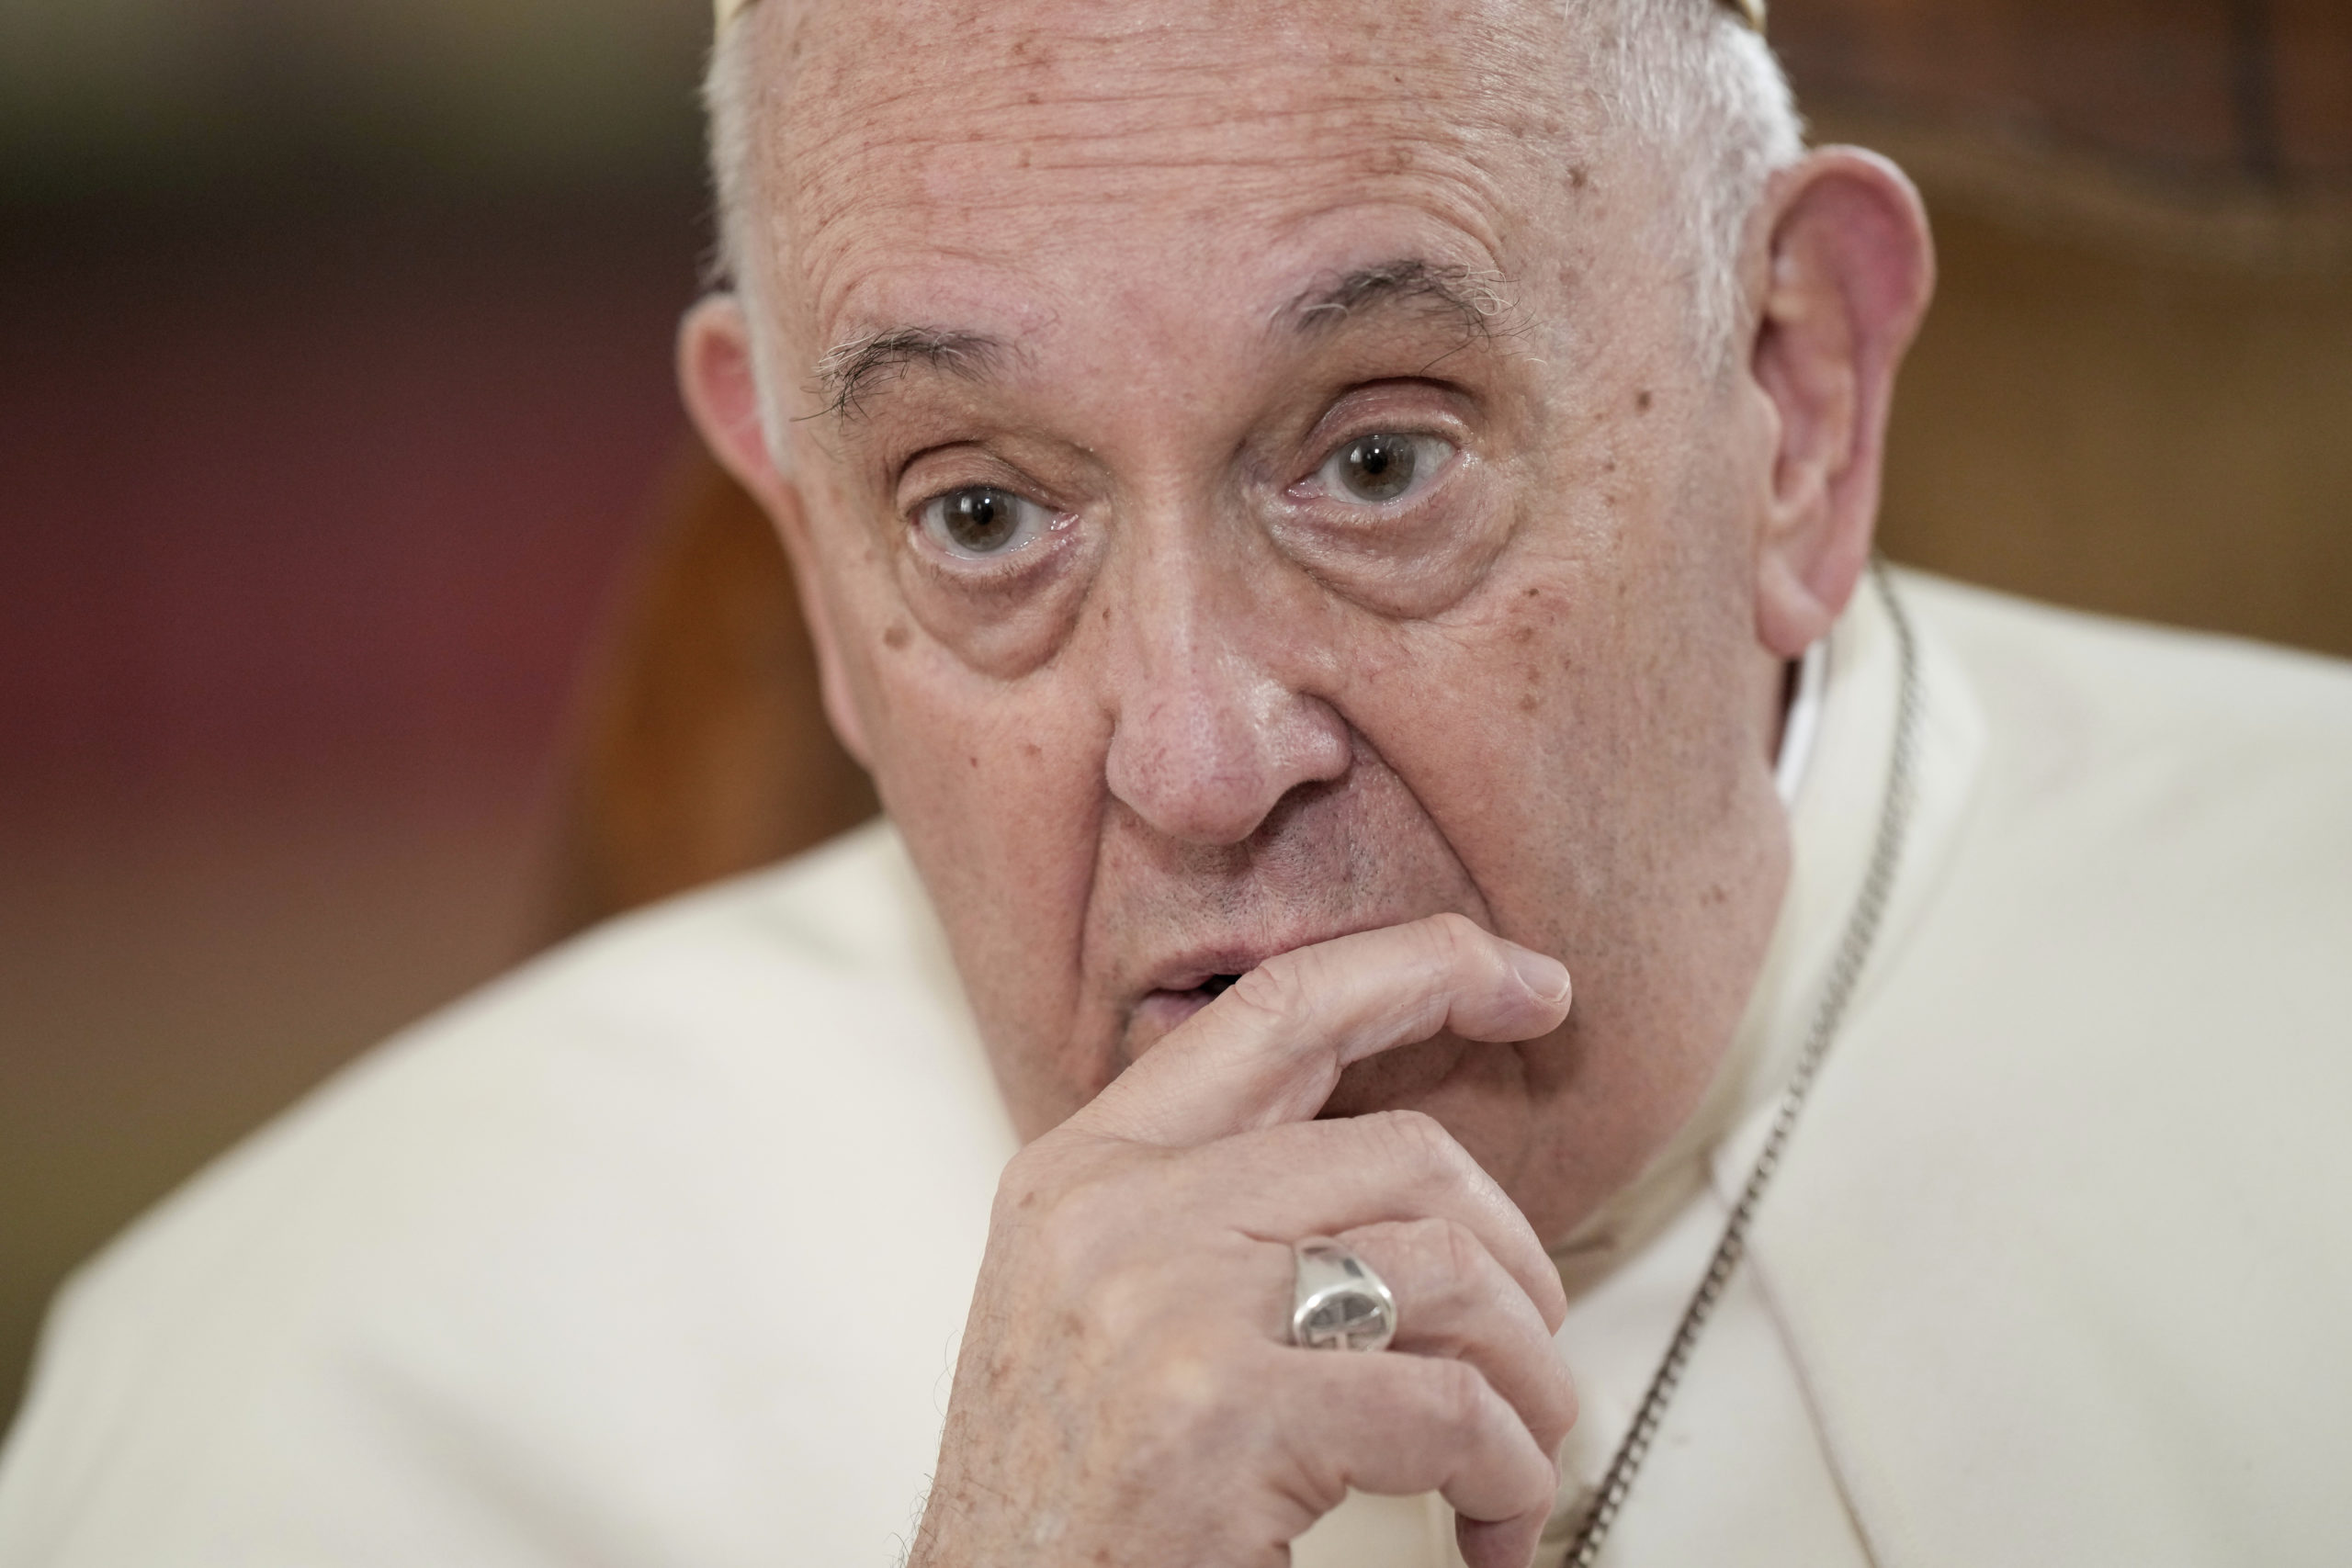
x=1209, y=730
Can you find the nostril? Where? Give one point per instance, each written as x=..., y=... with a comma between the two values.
x=1217, y=985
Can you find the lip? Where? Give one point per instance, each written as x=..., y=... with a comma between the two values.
x=1195, y=968
x=1173, y=991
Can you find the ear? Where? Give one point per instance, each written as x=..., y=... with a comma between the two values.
x=1849, y=271
x=717, y=376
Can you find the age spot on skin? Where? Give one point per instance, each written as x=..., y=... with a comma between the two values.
x=1642, y=400
x=895, y=636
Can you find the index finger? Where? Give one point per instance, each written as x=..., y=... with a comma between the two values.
x=1271, y=1048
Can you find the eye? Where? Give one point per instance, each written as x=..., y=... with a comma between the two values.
x=978, y=522
x=1382, y=466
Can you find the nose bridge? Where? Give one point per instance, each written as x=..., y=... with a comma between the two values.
x=1209, y=725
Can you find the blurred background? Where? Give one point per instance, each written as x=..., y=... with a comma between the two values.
x=368, y=619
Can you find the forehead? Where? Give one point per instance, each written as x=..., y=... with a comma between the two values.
x=904, y=142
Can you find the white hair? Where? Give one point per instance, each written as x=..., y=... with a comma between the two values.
x=727, y=101
x=1686, y=84
x=1693, y=87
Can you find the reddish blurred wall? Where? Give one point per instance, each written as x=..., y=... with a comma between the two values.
x=334, y=379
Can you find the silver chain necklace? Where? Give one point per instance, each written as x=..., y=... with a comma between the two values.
x=1862, y=931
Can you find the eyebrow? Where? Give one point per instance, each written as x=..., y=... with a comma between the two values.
x=853, y=370
x=1473, y=298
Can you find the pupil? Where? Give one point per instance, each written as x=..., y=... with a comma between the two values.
x=1380, y=468
x=982, y=521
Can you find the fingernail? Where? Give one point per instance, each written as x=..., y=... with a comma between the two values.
x=1546, y=979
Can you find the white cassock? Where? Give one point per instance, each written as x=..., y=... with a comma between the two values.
x=656, y=1252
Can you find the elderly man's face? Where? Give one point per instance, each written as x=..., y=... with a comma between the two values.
x=1260, y=485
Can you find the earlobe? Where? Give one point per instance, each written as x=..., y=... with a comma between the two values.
x=721, y=391
x=1849, y=271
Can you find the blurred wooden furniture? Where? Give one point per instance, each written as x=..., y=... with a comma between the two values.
x=2134, y=393
x=699, y=748
x=2215, y=93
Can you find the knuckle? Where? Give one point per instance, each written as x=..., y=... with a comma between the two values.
x=1562, y=1416
x=1082, y=1215
x=1458, y=1251
x=1025, y=1187
x=1064, y=1218
x=1281, y=987
x=1189, y=1386
x=1453, y=928
x=1437, y=1250
x=1459, y=940
x=1287, y=996
x=1114, y=1306
x=1414, y=1138
x=1457, y=1398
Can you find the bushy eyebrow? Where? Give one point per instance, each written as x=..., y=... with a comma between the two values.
x=1473, y=298
x=851, y=370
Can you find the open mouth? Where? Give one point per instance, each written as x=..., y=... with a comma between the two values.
x=1164, y=1009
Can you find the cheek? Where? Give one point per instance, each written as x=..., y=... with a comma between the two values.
x=1517, y=724
x=1477, y=725
x=1415, y=565
x=996, y=790
x=1003, y=626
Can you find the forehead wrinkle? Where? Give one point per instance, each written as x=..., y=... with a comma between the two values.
x=977, y=149
x=1021, y=100
x=997, y=221
x=1186, y=122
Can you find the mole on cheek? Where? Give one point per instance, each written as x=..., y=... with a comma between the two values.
x=895, y=636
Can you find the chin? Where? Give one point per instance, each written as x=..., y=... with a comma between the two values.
x=1480, y=1092
x=1491, y=1099
x=1421, y=1076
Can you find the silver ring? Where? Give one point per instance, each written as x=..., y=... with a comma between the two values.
x=1337, y=1301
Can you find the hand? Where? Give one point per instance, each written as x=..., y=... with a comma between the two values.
x=1128, y=1393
